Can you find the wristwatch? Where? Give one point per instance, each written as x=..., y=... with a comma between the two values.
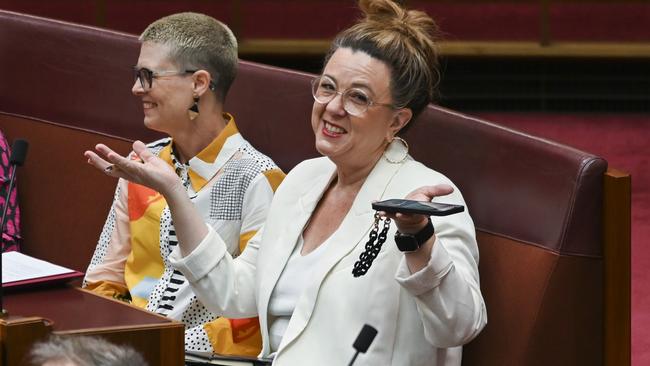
x=412, y=242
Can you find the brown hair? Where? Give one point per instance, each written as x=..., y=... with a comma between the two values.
x=198, y=41
x=406, y=41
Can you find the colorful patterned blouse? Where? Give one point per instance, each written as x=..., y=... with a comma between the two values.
x=232, y=186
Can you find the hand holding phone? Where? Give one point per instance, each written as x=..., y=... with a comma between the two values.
x=417, y=207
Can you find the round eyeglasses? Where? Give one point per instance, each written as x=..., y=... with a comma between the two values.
x=355, y=101
x=146, y=76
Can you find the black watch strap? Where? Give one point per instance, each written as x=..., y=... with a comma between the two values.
x=412, y=242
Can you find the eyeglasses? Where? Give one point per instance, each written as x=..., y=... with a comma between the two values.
x=146, y=76
x=355, y=101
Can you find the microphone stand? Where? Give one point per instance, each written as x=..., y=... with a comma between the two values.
x=352, y=360
x=12, y=178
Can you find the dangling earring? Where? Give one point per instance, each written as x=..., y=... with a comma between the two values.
x=193, y=110
x=397, y=151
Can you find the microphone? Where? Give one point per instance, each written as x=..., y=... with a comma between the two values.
x=363, y=341
x=17, y=158
x=18, y=152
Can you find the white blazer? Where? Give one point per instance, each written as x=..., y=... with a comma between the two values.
x=421, y=318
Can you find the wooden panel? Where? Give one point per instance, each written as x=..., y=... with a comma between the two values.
x=314, y=47
x=17, y=335
x=75, y=311
x=617, y=243
x=107, y=314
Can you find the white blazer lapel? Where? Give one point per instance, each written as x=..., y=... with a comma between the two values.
x=294, y=217
x=352, y=232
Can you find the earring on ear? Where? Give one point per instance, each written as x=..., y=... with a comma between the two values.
x=193, y=110
x=397, y=151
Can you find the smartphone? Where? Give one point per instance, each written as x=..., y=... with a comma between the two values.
x=417, y=207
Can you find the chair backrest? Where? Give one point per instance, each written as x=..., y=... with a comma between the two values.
x=537, y=205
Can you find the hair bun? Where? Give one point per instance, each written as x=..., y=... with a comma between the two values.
x=393, y=16
x=381, y=9
x=403, y=39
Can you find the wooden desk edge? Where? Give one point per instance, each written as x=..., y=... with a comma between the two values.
x=316, y=47
x=130, y=305
x=617, y=271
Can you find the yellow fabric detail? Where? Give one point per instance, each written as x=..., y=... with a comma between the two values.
x=108, y=288
x=275, y=177
x=240, y=337
x=210, y=153
x=166, y=154
x=144, y=259
x=244, y=238
x=197, y=181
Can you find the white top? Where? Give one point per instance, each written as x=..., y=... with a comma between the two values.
x=290, y=286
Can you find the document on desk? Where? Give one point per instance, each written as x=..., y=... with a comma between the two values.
x=19, y=268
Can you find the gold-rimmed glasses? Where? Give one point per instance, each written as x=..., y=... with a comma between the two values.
x=355, y=100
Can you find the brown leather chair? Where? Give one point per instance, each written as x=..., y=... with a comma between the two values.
x=551, y=221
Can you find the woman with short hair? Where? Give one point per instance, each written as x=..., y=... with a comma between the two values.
x=186, y=66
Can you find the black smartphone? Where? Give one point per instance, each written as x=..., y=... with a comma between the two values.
x=417, y=207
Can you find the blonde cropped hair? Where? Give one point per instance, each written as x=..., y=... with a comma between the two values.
x=406, y=41
x=198, y=42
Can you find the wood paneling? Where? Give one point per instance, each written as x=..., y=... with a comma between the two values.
x=617, y=244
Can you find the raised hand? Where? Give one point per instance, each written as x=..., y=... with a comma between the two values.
x=412, y=223
x=143, y=168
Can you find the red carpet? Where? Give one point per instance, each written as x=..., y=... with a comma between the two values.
x=624, y=141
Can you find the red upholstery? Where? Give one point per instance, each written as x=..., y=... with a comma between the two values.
x=536, y=204
x=461, y=20
x=518, y=186
x=80, y=77
x=272, y=107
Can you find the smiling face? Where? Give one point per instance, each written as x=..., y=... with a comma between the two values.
x=166, y=102
x=356, y=141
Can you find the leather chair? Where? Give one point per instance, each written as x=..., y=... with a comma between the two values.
x=552, y=222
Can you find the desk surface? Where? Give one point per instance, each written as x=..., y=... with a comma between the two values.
x=72, y=308
x=73, y=311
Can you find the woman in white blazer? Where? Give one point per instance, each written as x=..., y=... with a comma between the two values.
x=422, y=290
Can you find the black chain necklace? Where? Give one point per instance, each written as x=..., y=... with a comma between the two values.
x=371, y=252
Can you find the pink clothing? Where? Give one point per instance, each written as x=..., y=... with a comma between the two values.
x=11, y=232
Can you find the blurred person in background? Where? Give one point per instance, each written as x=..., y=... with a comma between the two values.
x=83, y=351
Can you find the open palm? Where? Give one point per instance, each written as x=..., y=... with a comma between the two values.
x=142, y=168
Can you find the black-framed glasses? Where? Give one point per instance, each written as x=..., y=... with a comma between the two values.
x=146, y=76
x=355, y=101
